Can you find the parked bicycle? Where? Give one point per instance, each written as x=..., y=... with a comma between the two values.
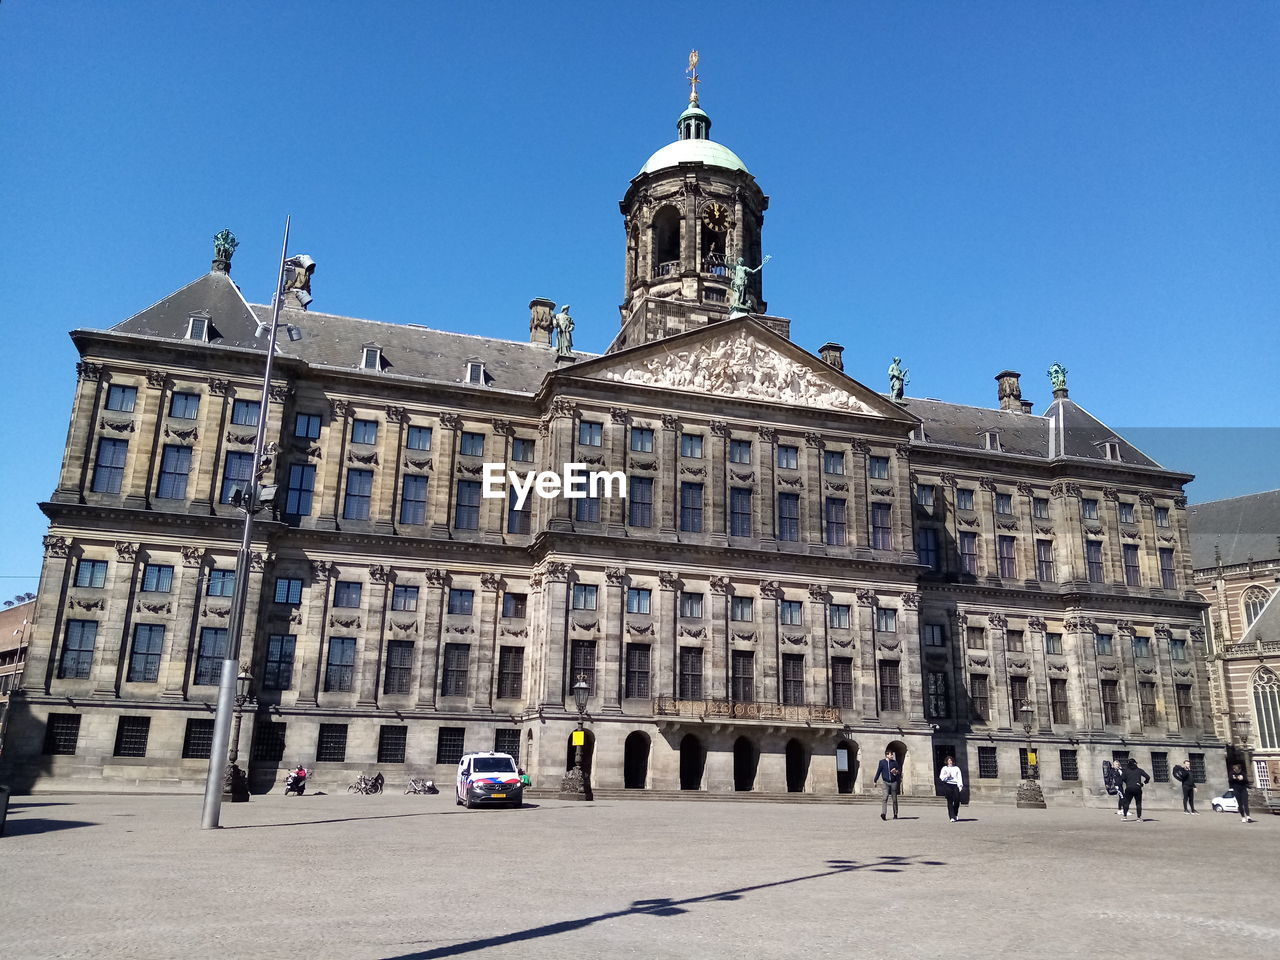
x=421, y=785
x=367, y=785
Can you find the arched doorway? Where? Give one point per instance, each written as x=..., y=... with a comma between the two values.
x=899, y=751
x=797, y=766
x=635, y=761
x=666, y=242
x=693, y=759
x=846, y=766
x=745, y=761
x=588, y=753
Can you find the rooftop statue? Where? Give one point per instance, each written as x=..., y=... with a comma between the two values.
x=224, y=244
x=562, y=324
x=1058, y=376
x=898, y=379
x=742, y=302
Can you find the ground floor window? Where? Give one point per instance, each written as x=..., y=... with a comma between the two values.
x=1160, y=767
x=332, y=744
x=131, y=736
x=268, y=741
x=197, y=742
x=392, y=740
x=988, y=768
x=507, y=741
x=62, y=734
x=449, y=744
x=1197, y=768
x=1070, y=767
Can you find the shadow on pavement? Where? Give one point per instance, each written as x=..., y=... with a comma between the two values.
x=664, y=907
x=20, y=804
x=19, y=828
x=385, y=816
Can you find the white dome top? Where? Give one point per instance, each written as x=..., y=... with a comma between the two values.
x=701, y=151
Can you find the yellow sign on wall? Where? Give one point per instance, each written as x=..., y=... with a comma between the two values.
x=579, y=738
x=1031, y=758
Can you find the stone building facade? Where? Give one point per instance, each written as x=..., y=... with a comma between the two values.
x=1235, y=551
x=804, y=572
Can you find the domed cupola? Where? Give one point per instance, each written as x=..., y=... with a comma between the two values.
x=690, y=212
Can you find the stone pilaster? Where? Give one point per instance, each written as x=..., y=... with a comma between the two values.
x=667, y=636
x=818, y=674
x=327, y=498
x=763, y=524
x=1086, y=705
x=610, y=648
x=1064, y=510
x=770, y=659
x=434, y=584
x=1002, y=714
x=487, y=642
x=310, y=645
x=1123, y=640
x=864, y=612
x=903, y=526
x=859, y=515
x=913, y=689
x=116, y=624
x=77, y=462
x=613, y=509
x=384, y=511
x=189, y=580
x=373, y=643
x=46, y=628
x=1035, y=643
x=811, y=532
x=556, y=613
x=715, y=497
x=666, y=507
x=717, y=680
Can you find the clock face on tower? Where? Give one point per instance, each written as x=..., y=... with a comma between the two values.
x=716, y=217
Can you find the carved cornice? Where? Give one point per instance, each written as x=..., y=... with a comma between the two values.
x=767, y=434
x=397, y=415
x=719, y=585
x=435, y=577
x=380, y=573
x=55, y=546
x=219, y=388
x=615, y=576
x=562, y=407
x=450, y=421
x=87, y=370
x=127, y=552
x=771, y=590
x=670, y=422
x=321, y=570
x=668, y=580
x=620, y=415
x=555, y=570
x=279, y=392
x=819, y=593
x=1111, y=493
x=503, y=428
x=813, y=440
x=1077, y=624
x=1036, y=624
x=1146, y=499
x=157, y=379
x=192, y=556
x=719, y=428
x=1060, y=490
x=997, y=620
x=866, y=598
x=911, y=601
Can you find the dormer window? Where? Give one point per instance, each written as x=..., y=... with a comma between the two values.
x=198, y=326
x=992, y=440
x=370, y=357
x=475, y=372
x=1111, y=450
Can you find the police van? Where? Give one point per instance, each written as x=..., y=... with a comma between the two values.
x=488, y=778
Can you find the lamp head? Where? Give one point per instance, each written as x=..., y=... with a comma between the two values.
x=580, y=693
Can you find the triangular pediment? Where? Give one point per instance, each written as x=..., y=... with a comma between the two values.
x=744, y=360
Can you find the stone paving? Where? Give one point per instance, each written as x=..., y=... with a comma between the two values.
x=413, y=878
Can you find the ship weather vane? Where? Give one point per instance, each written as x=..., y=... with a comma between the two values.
x=694, y=79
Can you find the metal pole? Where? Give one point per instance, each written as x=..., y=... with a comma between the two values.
x=231, y=661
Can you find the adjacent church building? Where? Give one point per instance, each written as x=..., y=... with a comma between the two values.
x=804, y=572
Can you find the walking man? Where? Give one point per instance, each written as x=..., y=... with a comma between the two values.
x=1240, y=787
x=1182, y=773
x=890, y=773
x=1134, y=778
x=952, y=783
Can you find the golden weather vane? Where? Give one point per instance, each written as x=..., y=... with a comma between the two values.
x=694, y=79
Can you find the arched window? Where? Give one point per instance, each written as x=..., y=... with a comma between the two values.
x=666, y=242
x=1254, y=599
x=1266, y=708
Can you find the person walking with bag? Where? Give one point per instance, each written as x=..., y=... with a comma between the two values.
x=1134, y=778
x=1182, y=773
x=1114, y=778
x=1240, y=787
x=890, y=773
x=952, y=783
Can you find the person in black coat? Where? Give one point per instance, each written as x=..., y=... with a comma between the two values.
x=1182, y=773
x=1240, y=787
x=1134, y=778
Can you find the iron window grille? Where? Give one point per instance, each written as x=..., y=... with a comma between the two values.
x=339, y=675
x=988, y=767
x=77, y=650
x=450, y=745
x=1069, y=765
x=148, y=644
x=131, y=736
x=61, y=734
x=302, y=483
x=108, y=469
x=637, y=685
x=466, y=512
x=1198, y=774
x=197, y=740
x=510, y=673
x=1160, y=767
x=456, y=661
x=331, y=745
x=399, y=675
x=413, y=499
x=359, y=495
x=268, y=741
x=277, y=671
x=938, y=702
x=1024, y=764
x=507, y=741
x=393, y=741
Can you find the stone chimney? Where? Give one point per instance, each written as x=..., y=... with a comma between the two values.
x=1010, y=392
x=833, y=354
x=224, y=247
x=540, y=311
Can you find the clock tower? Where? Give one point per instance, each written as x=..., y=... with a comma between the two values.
x=690, y=213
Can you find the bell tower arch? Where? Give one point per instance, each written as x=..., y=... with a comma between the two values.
x=688, y=215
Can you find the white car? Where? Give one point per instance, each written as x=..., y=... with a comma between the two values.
x=488, y=778
x=1225, y=803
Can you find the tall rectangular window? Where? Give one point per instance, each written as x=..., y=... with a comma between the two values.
x=302, y=483
x=886, y=620
x=842, y=682
x=878, y=468
x=691, y=606
x=584, y=596
x=933, y=635
x=175, y=467
x=1053, y=643
x=837, y=525
x=964, y=498
x=520, y=520
x=1102, y=644
x=392, y=741
x=938, y=702
x=121, y=398
x=833, y=462
x=404, y=597
x=788, y=516
x=184, y=406
x=1110, y=701
x=522, y=449
x=739, y=512
x=1045, y=569
x=1008, y=562
x=1004, y=504
x=927, y=548
x=515, y=605
x=690, y=679
x=741, y=609
x=339, y=674
x=1017, y=696
x=144, y=661
x=1093, y=560
x=507, y=741
x=925, y=494
x=640, y=502
x=456, y=657
x=347, y=593
x=1186, y=711
x=881, y=531
x=590, y=434
x=1147, y=703
x=691, y=507
x=969, y=553
x=277, y=672
x=108, y=468
x=236, y=475
x=306, y=426
x=641, y=440
x=288, y=590
x=197, y=739
x=466, y=512
x=413, y=499
x=1068, y=762
x=77, y=650
x=1015, y=641
x=583, y=664
x=742, y=676
x=1178, y=651
x=1162, y=516
x=222, y=583
x=355, y=505
x=788, y=457
x=793, y=679
x=449, y=745
x=975, y=638
x=1126, y=512
x=131, y=736
x=691, y=445
x=587, y=509
x=1132, y=572
x=1040, y=508
x=331, y=744
x=244, y=413
x=1168, y=573
x=980, y=697
x=91, y=573
x=739, y=451
x=510, y=673
x=791, y=612
x=399, y=675
x=988, y=763
x=157, y=578
x=1059, y=708
x=364, y=431
x=637, y=670
x=1089, y=509
x=209, y=656
x=838, y=616
x=461, y=602
x=471, y=444
x=638, y=600
x=1142, y=648
x=418, y=438
x=890, y=685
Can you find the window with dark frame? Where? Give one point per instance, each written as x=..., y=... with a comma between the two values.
x=221, y=583
x=1059, y=707
x=878, y=468
x=741, y=608
x=359, y=495
x=510, y=673
x=1018, y=695
x=641, y=440
x=339, y=674
x=399, y=673
x=1198, y=773
x=969, y=553
x=1068, y=764
x=988, y=767
x=209, y=656
x=925, y=493
x=1024, y=764
x=131, y=736
x=1040, y=508
x=461, y=602
x=302, y=484
x=740, y=512
x=690, y=606
x=1186, y=711
x=890, y=686
x=886, y=620
x=739, y=451
x=306, y=426
x=244, y=413
x=331, y=744
x=508, y=742
x=587, y=509
x=364, y=431
x=236, y=474
x=836, y=522
x=1126, y=511
x=964, y=498
x=347, y=593
x=144, y=659
x=61, y=734
x=1102, y=644
x=1015, y=641
x=520, y=518
x=637, y=679
x=91, y=573
x=1132, y=571
x=1004, y=504
x=404, y=598
x=1168, y=572
x=1089, y=509
x=413, y=499
x=833, y=462
x=450, y=743
x=975, y=638
x=522, y=450
x=638, y=600
x=157, y=578
x=515, y=606
x=791, y=613
x=584, y=596
x=881, y=526
x=1046, y=571
x=640, y=502
x=927, y=548
x=689, y=684
x=108, y=469
x=933, y=635
x=691, y=445
x=583, y=664
x=842, y=682
x=1142, y=647
x=184, y=406
x=1159, y=767
x=288, y=590
x=1093, y=560
x=456, y=659
x=742, y=676
x=175, y=467
x=197, y=739
x=121, y=398
x=788, y=457
x=838, y=616
x=419, y=438
x=691, y=507
x=980, y=697
x=1178, y=650
x=590, y=434
x=1162, y=516
x=393, y=741
x=1110, y=701
x=938, y=700
x=1006, y=558
x=471, y=444
x=789, y=516
x=268, y=741
x=793, y=679
x=466, y=512
x=277, y=672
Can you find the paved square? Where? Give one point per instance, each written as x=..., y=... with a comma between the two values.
x=414, y=878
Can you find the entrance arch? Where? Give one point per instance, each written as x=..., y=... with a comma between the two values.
x=846, y=758
x=635, y=761
x=693, y=760
x=746, y=758
x=797, y=766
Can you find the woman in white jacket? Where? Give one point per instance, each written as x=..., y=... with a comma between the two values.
x=952, y=783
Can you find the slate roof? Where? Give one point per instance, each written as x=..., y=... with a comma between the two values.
x=408, y=350
x=1240, y=528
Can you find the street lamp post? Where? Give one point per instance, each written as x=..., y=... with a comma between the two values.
x=574, y=785
x=1029, y=793
x=236, y=784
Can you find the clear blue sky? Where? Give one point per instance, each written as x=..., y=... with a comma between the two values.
x=973, y=186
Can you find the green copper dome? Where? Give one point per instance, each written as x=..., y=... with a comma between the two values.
x=687, y=151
